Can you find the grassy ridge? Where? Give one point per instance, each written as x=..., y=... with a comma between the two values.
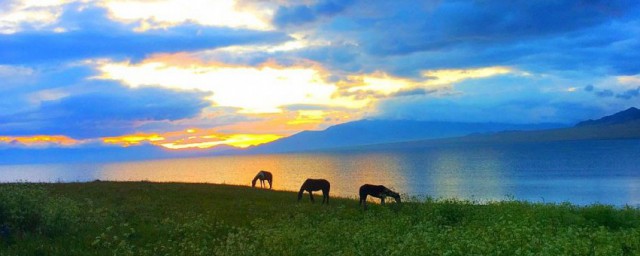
x=141, y=218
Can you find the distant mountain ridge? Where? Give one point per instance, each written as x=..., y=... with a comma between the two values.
x=365, y=132
x=629, y=115
x=357, y=135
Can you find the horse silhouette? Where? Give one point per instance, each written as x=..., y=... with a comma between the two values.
x=262, y=176
x=311, y=185
x=378, y=191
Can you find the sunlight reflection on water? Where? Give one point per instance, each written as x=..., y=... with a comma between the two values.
x=578, y=172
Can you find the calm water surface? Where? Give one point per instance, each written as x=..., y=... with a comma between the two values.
x=579, y=172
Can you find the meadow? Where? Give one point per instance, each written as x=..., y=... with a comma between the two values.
x=144, y=218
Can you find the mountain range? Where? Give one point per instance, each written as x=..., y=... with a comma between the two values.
x=621, y=125
x=357, y=135
x=367, y=132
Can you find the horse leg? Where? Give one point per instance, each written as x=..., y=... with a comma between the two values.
x=326, y=195
x=363, y=201
x=382, y=200
x=311, y=196
x=269, y=184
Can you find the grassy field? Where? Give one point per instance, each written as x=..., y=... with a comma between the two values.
x=142, y=218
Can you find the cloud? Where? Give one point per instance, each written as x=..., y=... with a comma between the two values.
x=254, y=89
x=589, y=88
x=110, y=112
x=16, y=15
x=509, y=111
x=37, y=141
x=628, y=94
x=439, y=26
x=604, y=93
x=608, y=93
x=301, y=14
x=413, y=92
x=91, y=35
x=404, y=37
x=219, y=13
x=317, y=63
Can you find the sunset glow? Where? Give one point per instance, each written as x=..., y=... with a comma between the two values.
x=134, y=139
x=192, y=138
x=201, y=74
x=255, y=90
x=235, y=140
x=39, y=140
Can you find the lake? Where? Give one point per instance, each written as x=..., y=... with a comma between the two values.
x=580, y=172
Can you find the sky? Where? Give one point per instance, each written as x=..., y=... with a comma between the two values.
x=199, y=74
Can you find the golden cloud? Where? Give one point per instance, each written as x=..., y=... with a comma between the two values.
x=39, y=140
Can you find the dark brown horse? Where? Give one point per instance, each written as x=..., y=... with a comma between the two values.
x=262, y=176
x=311, y=185
x=378, y=191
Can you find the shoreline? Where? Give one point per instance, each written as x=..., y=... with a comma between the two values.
x=405, y=197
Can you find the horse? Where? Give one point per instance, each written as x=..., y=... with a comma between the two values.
x=311, y=185
x=378, y=191
x=262, y=176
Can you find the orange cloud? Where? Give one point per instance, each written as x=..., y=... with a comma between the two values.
x=192, y=138
x=39, y=140
x=291, y=122
x=235, y=140
x=133, y=139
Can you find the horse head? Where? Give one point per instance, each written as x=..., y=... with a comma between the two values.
x=393, y=194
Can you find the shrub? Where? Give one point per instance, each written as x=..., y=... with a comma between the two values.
x=28, y=208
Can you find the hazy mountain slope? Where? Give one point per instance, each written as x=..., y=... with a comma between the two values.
x=621, y=117
x=616, y=126
x=365, y=132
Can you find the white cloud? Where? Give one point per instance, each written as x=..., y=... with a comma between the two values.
x=262, y=89
x=166, y=13
x=37, y=14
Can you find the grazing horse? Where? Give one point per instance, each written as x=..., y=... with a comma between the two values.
x=262, y=176
x=378, y=191
x=311, y=185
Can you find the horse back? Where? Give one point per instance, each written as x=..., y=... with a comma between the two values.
x=373, y=190
x=316, y=184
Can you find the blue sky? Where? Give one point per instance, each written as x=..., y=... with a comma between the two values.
x=200, y=74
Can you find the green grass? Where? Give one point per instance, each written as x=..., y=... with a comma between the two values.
x=142, y=218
